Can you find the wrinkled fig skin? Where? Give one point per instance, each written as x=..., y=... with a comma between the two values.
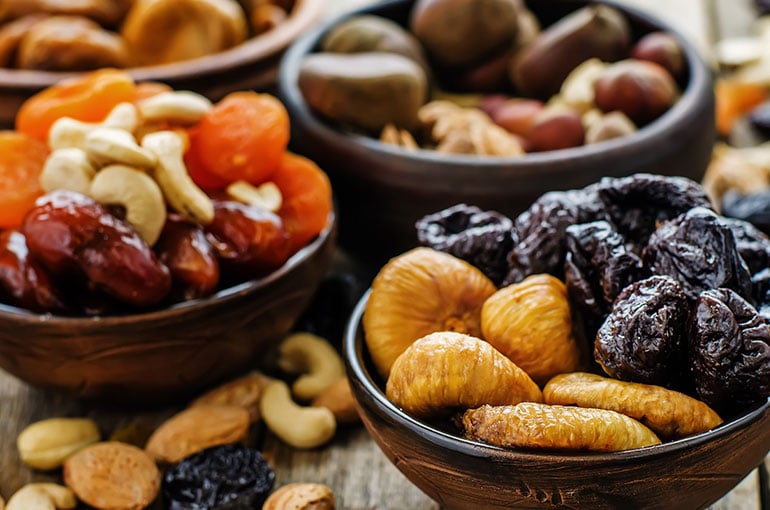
x=643, y=338
x=23, y=282
x=698, y=251
x=729, y=352
x=77, y=240
x=591, y=32
x=752, y=243
x=457, y=33
x=369, y=33
x=364, y=90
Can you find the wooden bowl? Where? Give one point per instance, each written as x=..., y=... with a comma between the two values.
x=382, y=190
x=251, y=65
x=170, y=352
x=461, y=474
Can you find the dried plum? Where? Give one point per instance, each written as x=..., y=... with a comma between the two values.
x=643, y=337
x=729, y=351
x=752, y=244
x=597, y=267
x=636, y=204
x=481, y=238
x=541, y=230
x=699, y=251
x=759, y=117
x=754, y=208
x=229, y=477
x=760, y=290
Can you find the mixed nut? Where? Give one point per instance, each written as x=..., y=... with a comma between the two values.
x=482, y=77
x=634, y=278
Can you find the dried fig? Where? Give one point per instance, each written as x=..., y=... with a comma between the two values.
x=417, y=293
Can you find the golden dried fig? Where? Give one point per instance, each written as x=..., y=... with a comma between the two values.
x=529, y=322
x=417, y=293
x=444, y=371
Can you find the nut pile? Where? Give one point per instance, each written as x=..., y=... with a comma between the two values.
x=198, y=458
x=483, y=78
x=634, y=278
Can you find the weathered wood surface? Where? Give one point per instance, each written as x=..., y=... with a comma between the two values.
x=352, y=465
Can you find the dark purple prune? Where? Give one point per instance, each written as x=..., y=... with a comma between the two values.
x=228, y=477
x=636, y=204
x=541, y=231
x=481, y=238
x=700, y=252
x=760, y=290
x=643, y=338
x=23, y=282
x=754, y=208
x=759, y=117
x=597, y=267
x=752, y=244
x=729, y=348
x=79, y=242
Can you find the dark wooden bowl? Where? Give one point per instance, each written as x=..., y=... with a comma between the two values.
x=251, y=65
x=688, y=473
x=170, y=352
x=382, y=190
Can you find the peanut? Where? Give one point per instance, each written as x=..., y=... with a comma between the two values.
x=46, y=444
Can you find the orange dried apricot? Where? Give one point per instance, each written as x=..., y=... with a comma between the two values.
x=21, y=162
x=89, y=97
x=734, y=99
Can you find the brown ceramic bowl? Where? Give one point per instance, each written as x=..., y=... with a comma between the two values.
x=382, y=190
x=170, y=352
x=461, y=474
x=251, y=65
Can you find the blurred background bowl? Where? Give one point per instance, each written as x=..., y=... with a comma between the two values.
x=170, y=352
x=250, y=65
x=461, y=474
x=382, y=190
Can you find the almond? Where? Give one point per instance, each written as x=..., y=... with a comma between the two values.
x=243, y=392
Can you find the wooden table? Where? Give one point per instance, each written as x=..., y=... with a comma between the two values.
x=352, y=465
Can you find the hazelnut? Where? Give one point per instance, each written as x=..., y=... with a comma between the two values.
x=557, y=127
x=663, y=49
x=609, y=126
x=517, y=115
x=640, y=89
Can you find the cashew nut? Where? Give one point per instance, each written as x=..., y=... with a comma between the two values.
x=315, y=359
x=42, y=496
x=68, y=132
x=179, y=107
x=300, y=427
x=67, y=169
x=182, y=194
x=266, y=196
x=105, y=145
x=138, y=193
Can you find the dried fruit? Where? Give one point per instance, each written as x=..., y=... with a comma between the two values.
x=752, y=207
x=753, y=245
x=113, y=475
x=668, y=413
x=663, y=49
x=417, y=293
x=244, y=392
x=643, y=338
x=556, y=128
x=517, y=115
x=46, y=444
x=444, y=371
x=197, y=428
x=529, y=322
x=227, y=477
x=553, y=427
x=301, y=496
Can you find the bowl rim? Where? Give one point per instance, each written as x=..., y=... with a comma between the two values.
x=353, y=350
x=304, y=14
x=221, y=297
x=645, y=138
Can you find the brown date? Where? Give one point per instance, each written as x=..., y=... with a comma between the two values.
x=23, y=282
x=248, y=241
x=183, y=247
x=79, y=242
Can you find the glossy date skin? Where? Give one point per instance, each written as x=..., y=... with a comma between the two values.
x=79, y=242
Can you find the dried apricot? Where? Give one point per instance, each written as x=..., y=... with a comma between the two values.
x=89, y=98
x=147, y=89
x=21, y=162
x=734, y=99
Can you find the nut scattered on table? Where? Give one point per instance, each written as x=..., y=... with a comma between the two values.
x=245, y=391
x=297, y=426
x=46, y=444
x=301, y=496
x=338, y=398
x=42, y=496
x=315, y=361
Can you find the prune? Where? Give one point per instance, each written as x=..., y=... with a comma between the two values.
x=760, y=291
x=541, y=231
x=481, y=238
x=228, y=477
x=729, y=351
x=636, y=204
x=249, y=241
x=23, y=282
x=752, y=244
x=754, y=208
x=643, y=338
x=699, y=251
x=759, y=117
x=183, y=247
x=597, y=267
x=78, y=241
